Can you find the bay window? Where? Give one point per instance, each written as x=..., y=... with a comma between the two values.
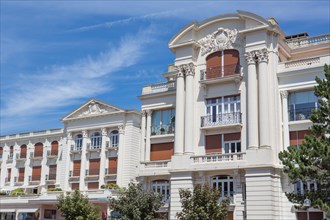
x=301, y=105
x=162, y=122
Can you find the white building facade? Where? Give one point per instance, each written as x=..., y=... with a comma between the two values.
x=238, y=93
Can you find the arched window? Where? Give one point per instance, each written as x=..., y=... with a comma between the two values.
x=162, y=187
x=11, y=153
x=96, y=140
x=78, y=142
x=222, y=63
x=114, y=138
x=38, y=150
x=23, y=151
x=54, y=148
x=225, y=184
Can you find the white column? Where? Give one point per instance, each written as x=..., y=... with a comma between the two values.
x=148, y=145
x=143, y=136
x=252, y=102
x=285, y=115
x=102, y=157
x=179, y=112
x=121, y=157
x=67, y=162
x=44, y=168
x=83, y=162
x=264, y=129
x=189, y=114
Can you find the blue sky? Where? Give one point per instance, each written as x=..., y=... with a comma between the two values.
x=56, y=55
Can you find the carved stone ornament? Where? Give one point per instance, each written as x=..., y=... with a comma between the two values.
x=104, y=131
x=69, y=135
x=93, y=109
x=186, y=69
x=250, y=57
x=85, y=134
x=262, y=55
x=220, y=40
x=284, y=94
x=121, y=129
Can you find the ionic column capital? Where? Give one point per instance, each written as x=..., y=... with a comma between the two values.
x=104, y=131
x=284, y=94
x=85, y=133
x=250, y=57
x=262, y=55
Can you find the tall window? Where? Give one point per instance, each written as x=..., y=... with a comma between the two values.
x=222, y=110
x=302, y=187
x=114, y=138
x=11, y=153
x=301, y=105
x=96, y=140
x=78, y=142
x=162, y=122
x=225, y=184
x=162, y=187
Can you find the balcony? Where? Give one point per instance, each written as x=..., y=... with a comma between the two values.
x=110, y=147
x=220, y=120
x=162, y=129
x=18, y=181
x=74, y=175
x=37, y=155
x=159, y=87
x=309, y=41
x=218, y=161
x=52, y=154
x=34, y=180
x=300, y=114
x=226, y=73
x=110, y=174
x=75, y=149
x=156, y=164
x=91, y=148
x=92, y=174
x=21, y=157
x=51, y=178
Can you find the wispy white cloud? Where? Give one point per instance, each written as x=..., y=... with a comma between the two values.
x=126, y=21
x=59, y=86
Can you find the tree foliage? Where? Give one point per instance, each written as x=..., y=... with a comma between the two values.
x=202, y=203
x=75, y=206
x=136, y=203
x=311, y=160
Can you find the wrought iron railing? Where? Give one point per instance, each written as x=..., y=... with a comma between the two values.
x=221, y=119
x=162, y=129
x=300, y=113
x=220, y=71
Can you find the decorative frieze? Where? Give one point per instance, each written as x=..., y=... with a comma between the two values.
x=221, y=39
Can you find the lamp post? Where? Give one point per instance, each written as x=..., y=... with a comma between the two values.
x=307, y=204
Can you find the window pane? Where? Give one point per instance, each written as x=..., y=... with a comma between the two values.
x=226, y=148
x=155, y=119
x=238, y=144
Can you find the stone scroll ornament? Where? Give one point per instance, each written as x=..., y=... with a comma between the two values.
x=220, y=40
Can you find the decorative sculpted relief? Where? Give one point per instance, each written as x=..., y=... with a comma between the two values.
x=256, y=55
x=186, y=69
x=220, y=40
x=93, y=109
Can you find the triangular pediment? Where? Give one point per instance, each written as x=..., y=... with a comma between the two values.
x=92, y=108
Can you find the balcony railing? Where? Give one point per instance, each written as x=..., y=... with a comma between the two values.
x=111, y=171
x=93, y=147
x=221, y=119
x=52, y=153
x=92, y=172
x=21, y=156
x=159, y=87
x=220, y=71
x=36, y=154
x=10, y=157
x=74, y=173
x=155, y=164
x=76, y=148
x=300, y=114
x=51, y=176
x=35, y=178
x=162, y=129
x=218, y=158
x=309, y=41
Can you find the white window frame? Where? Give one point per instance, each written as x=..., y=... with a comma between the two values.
x=223, y=105
x=114, y=138
x=229, y=143
x=96, y=140
x=78, y=141
x=160, y=186
x=219, y=182
x=299, y=186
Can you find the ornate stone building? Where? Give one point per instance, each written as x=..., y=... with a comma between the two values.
x=238, y=93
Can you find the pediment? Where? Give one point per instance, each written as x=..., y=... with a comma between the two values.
x=92, y=108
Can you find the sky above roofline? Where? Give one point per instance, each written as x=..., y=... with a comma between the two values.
x=56, y=55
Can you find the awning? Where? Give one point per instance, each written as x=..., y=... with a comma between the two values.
x=27, y=210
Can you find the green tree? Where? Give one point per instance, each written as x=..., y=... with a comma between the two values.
x=311, y=160
x=202, y=203
x=75, y=206
x=136, y=203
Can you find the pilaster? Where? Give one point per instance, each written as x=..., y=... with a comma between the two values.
x=189, y=105
x=83, y=161
x=121, y=156
x=252, y=101
x=143, y=136
x=102, y=157
x=148, y=145
x=179, y=112
x=285, y=118
x=67, y=162
x=264, y=133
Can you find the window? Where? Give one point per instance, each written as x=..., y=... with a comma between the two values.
x=162, y=187
x=1, y=152
x=301, y=187
x=96, y=140
x=225, y=184
x=301, y=105
x=114, y=138
x=162, y=122
x=11, y=153
x=232, y=147
x=54, y=148
x=78, y=142
x=222, y=110
x=8, y=215
x=23, y=151
x=38, y=150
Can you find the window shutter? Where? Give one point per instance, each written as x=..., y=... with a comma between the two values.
x=213, y=143
x=94, y=166
x=54, y=148
x=76, y=168
x=112, y=165
x=163, y=151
